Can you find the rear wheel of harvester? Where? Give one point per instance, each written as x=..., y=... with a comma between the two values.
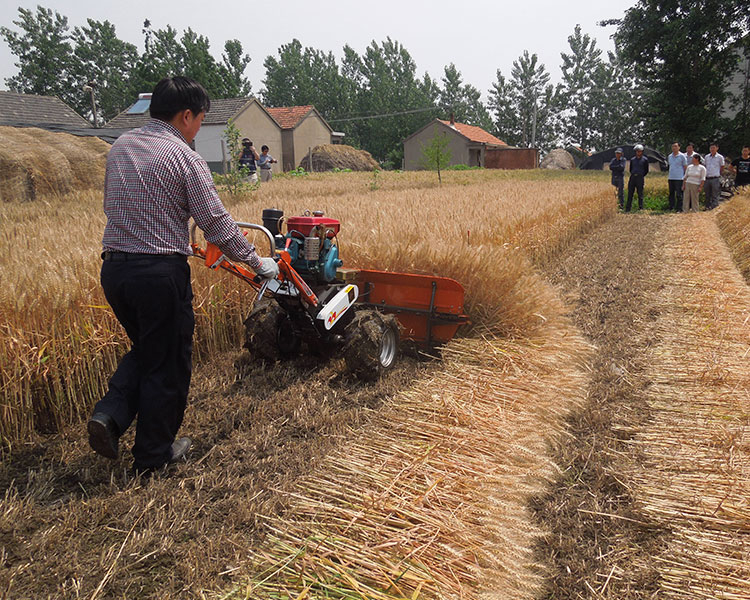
x=270, y=333
x=371, y=343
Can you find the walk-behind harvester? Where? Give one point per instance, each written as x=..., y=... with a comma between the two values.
x=316, y=305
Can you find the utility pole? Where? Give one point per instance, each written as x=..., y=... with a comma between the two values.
x=89, y=87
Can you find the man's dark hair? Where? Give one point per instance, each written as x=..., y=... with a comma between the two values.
x=713, y=144
x=174, y=94
x=264, y=148
x=690, y=144
x=746, y=146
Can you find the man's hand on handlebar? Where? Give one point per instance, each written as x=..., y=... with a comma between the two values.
x=268, y=268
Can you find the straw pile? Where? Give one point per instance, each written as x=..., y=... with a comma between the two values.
x=35, y=162
x=695, y=475
x=558, y=159
x=328, y=157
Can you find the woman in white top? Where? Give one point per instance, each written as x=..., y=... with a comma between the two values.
x=692, y=183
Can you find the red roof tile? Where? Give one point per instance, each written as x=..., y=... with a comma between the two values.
x=288, y=116
x=475, y=134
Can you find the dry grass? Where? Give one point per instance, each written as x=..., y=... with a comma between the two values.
x=60, y=340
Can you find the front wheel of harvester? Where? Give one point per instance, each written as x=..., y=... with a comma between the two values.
x=261, y=330
x=371, y=343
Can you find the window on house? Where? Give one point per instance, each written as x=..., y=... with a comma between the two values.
x=141, y=106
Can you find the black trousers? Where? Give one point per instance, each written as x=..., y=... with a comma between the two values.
x=635, y=183
x=619, y=183
x=675, y=194
x=152, y=299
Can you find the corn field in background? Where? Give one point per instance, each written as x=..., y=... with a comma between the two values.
x=59, y=341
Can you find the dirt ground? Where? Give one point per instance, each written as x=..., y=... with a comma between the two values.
x=610, y=278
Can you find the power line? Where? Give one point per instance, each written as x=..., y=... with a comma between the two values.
x=394, y=114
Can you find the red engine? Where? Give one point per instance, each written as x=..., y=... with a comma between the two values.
x=306, y=224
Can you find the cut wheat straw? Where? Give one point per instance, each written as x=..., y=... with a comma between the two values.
x=696, y=478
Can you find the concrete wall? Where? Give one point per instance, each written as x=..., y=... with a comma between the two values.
x=512, y=158
x=253, y=123
x=458, y=145
x=310, y=132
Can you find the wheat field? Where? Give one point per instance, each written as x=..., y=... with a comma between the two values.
x=59, y=339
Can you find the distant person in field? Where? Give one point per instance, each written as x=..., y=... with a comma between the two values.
x=154, y=183
x=677, y=165
x=638, y=172
x=741, y=168
x=714, y=163
x=617, y=168
x=695, y=177
x=248, y=160
x=264, y=164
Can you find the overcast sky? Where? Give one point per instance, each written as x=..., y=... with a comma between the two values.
x=479, y=36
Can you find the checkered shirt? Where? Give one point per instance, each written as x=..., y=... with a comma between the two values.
x=154, y=183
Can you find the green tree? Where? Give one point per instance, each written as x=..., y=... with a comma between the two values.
x=525, y=107
x=436, y=155
x=463, y=100
x=42, y=47
x=385, y=83
x=579, y=68
x=235, y=179
x=189, y=55
x=100, y=58
x=234, y=64
x=684, y=54
x=301, y=76
x=613, y=99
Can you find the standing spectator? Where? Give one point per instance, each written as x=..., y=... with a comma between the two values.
x=714, y=162
x=154, y=184
x=741, y=168
x=695, y=176
x=247, y=159
x=617, y=168
x=264, y=162
x=638, y=172
x=677, y=165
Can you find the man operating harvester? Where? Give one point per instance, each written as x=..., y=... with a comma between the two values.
x=154, y=183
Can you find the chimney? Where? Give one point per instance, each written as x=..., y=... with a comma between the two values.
x=453, y=120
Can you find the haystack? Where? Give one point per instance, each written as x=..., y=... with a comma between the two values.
x=338, y=156
x=35, y=162
x=558, y=159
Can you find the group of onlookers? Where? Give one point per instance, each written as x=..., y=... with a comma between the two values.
x=252, y=161
x=689, y=175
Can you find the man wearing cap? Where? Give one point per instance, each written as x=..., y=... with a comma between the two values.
x=638, y=172
x=714, y=162
x=617, y=168
x=677, y=165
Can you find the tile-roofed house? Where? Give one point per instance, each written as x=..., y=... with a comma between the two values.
x=469, y=145
x=303, y=128
x=248, y=115
x=474, y=133
x=46, y=112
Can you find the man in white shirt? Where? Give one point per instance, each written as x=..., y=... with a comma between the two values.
x=714, y=162
x=677, y=164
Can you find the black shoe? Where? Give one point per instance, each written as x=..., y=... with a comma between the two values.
x=180, y=448
x=104, y=438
